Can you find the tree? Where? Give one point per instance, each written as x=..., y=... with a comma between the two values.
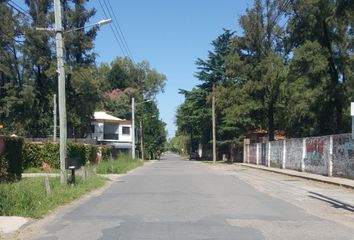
x=193, y=118
x=11, y=81
x=154, y=131
x=256, y=62
x=39, y=69
x=318, y=22
x=80, y=62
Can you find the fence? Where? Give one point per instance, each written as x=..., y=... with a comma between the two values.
x=325, y=155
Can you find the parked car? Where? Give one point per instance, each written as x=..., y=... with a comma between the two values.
x=193, y=156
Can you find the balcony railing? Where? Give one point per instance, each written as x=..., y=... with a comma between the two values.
x=110, y=136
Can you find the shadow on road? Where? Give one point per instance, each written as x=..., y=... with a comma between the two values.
x=334, y=202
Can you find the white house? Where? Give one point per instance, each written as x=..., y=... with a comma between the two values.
x=107, y=129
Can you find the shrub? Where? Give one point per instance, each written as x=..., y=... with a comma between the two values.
x=90, y=153
x=77, y=150
x=3, y=168
x=106, y=152
x=12, y=155
x=32, y=155
x=50, y=154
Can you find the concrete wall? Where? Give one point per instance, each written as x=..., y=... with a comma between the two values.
x=253, y=153
x=343, y=156
x=276, y=154
x=324, y=155
x=317, y=154
x=293, y=153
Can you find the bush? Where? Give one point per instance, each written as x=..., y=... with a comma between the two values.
x=32, y=155
x=90, y=153
x=77, y=150
x=11, y=158
x=106, y=152
x=50, y=154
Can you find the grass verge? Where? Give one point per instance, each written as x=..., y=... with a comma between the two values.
x=122, y=164
x=28, y=197
x=39, y=170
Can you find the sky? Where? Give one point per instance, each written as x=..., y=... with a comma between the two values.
x=170, y=35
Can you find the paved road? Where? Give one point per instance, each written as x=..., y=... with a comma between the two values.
x=178, y=199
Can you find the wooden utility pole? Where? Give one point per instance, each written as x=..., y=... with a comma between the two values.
x=61, y=89
x=213, y=119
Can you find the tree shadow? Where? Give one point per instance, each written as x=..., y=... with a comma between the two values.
x=334, y=202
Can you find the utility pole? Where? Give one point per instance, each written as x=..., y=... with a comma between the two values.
x=61, y=89
x=133, y=128
x=213, y=119
x=141, y=140
x=55, y=118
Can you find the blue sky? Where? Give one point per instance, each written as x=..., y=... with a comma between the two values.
x=171, y=35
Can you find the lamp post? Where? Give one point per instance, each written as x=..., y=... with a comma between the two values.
x=61, y=81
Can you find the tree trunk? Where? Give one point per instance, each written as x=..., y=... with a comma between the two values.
x=271, y=121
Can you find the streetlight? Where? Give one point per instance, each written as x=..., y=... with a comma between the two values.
x=61, y=81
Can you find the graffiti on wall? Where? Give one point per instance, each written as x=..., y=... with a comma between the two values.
x=345, y=149
x=314, y=152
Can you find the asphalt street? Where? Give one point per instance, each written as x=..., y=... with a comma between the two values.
x=179, y=199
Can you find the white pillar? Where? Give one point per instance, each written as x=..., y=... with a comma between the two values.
x=257, y=154
x=269, y=149
x=303, y=155
x=330, y=157
x=284, y=154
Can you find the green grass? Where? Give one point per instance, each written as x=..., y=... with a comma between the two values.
x=122, y=164
x=28, y=197
x=39, y=170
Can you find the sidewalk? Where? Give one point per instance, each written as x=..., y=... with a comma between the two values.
x=343, y=182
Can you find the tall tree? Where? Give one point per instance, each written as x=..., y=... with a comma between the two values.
x=39, y=69
x=11, y=79
x=256, y=61
x=80, y=61
x=318, y=22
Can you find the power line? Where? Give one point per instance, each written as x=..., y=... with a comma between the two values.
x=19, y=7
x=115, y=27
x=114, y=33
x=120, y=30
x=18, y=10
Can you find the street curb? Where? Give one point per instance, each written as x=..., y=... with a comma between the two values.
x=312, y=178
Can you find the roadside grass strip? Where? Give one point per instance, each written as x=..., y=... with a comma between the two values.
x=121, y=165
x=29, y=198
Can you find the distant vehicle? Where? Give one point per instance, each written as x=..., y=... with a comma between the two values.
x=193, y=156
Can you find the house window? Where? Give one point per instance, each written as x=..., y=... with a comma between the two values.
x=92, y=128
x=126, y=130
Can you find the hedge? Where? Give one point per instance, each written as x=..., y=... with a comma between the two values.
x=32, y=155
x=10, y=158
x=35, y=154
x=106, y=152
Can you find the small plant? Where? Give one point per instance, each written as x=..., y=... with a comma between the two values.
x=122, y=164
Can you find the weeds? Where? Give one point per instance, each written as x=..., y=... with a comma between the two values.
x=28, y=197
